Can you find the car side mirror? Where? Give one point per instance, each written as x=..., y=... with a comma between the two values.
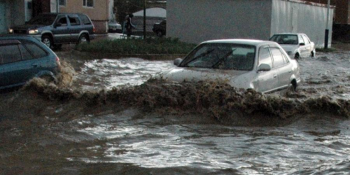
x=177, y=61
x=264, y=67
x=302, y=44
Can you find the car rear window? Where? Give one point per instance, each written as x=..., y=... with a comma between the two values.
x=34, y=50
x=74, y=21
x=285, y=39
x=278, y=59
x=85, y=19
x=9, y=54
x=25, y=53
x=265, y=57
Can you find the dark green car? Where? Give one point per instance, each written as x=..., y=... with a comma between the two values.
x=24, y=57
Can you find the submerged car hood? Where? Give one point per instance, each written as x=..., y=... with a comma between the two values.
x=180, y=74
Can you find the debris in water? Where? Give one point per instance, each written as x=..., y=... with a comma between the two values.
x=216, y=99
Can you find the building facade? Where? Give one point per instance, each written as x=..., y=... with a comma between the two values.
x=14, y=12
x=99, y=11
x=199, y=20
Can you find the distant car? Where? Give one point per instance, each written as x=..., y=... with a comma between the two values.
x=114, y=26
x=296, y=45
x=250, y=64
x=22, y=58
x=55, y=29
x=160, y=28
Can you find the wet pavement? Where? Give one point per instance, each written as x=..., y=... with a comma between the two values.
x=110, y=119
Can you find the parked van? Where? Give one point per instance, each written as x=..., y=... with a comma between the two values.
x=55, y=29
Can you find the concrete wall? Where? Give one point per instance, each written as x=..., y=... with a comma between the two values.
x=16, y=13
x=295, y=17
x=195, y=21
x=99, y=14
x=12, y=13
x=342, y=10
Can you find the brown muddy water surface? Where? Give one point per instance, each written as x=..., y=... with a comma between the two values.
x=108, y=117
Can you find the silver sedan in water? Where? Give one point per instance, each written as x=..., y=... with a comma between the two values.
x=250, y=64
x=296, y=45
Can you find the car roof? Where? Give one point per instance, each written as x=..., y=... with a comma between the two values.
x=9, y=42
x=14, y=39
x=253, y=42
x=62, y=14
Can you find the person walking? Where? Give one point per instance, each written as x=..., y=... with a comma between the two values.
x=129, y=25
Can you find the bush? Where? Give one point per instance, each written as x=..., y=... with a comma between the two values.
x=138, y=46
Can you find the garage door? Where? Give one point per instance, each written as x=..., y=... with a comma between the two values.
x=3, y=28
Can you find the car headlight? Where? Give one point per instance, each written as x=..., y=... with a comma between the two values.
x=10, y=30
x=33, y=32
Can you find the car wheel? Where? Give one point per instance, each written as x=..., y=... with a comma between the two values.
x=313, y=54
x=294, y=85
x=48, y=78
x=159, y=34
x=297, y=56
x=47, y=40
x=83, y=39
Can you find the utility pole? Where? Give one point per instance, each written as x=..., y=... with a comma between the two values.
x=144, y=20
x=327, y=28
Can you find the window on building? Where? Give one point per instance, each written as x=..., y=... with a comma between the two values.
x=88, y=3
x=62, y=2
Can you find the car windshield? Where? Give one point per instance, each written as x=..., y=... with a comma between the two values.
x=221, y=56
x=43, y=19
x=285, y=39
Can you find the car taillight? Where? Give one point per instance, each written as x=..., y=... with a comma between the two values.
x=58, y=61
x=94, y=29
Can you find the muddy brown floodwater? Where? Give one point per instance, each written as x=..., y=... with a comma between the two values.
x=108, y=116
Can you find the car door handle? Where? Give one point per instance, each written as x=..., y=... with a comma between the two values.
x=275, y=76
x=34, y=65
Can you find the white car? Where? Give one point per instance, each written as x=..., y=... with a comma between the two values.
x=114, y=26
x=297, y=45
x=260, y=65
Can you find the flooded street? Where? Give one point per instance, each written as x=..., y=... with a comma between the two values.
x=111, y=119
x=109, y=73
